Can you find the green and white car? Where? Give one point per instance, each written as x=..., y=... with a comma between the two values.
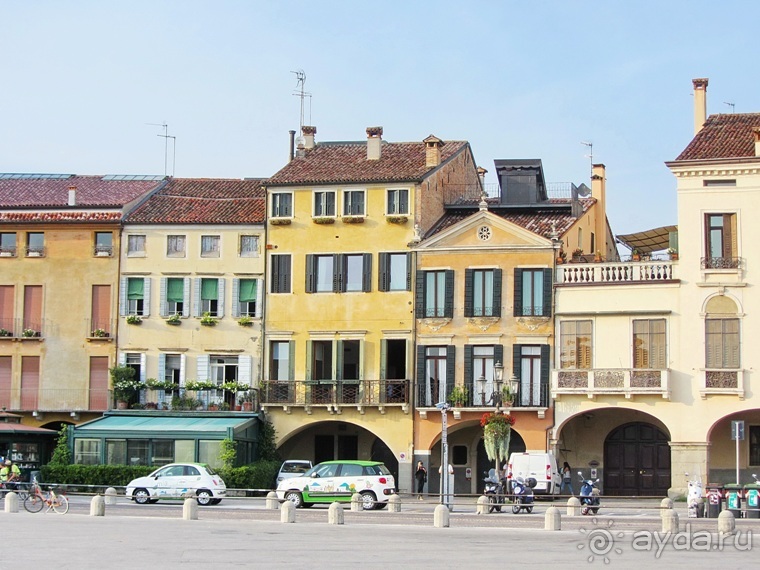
x=332, y=481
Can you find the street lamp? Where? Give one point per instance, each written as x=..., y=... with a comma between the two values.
x=445, y=490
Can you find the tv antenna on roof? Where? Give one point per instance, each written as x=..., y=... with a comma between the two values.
x=590, y=154
x=299, y=92
x=166, y=136
x=732, y=105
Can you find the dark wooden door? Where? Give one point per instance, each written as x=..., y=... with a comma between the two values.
x=636, y=461
x=324, y=448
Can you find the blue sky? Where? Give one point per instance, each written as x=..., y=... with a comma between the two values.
x=517, y=79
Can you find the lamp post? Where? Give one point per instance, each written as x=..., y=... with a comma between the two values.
x=445, y=491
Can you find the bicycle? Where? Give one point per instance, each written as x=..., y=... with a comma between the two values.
x=37, y=499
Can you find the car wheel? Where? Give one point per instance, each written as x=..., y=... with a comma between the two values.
x=380, y=506
x=141, y=496
x=368, y=500
x=516, y=508
x=294, y=497
x=215, y=501
x=529, y=509
x=204, y=497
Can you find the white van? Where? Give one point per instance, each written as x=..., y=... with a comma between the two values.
x=541, y=466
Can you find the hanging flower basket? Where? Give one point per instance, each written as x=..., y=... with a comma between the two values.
x=497, y=431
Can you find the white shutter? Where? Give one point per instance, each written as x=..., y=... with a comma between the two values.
x=143, y=371
x=161, y=367
x=235, y=308
x=123, y=297
x=244, y=369
x=220, y=299
x=163, y=306
x=259, y=296
x=146, y=297
x=186, y=298
x=202, y=364
x=122, y=359
x=197, y=297
x=182, y=360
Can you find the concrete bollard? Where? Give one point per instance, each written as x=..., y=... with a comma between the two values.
x=482, y=506
x=670, y=521
x=288, y=512
x=110, y=497
x=573, y=507
x=335, y=514
x=356, y=503
x=272, y=503
x=394, y=504
x=726, y=523
x=665, y=505
x=98, y=506
x=552, y=519
x=190, y=510
x=441, y=517
x=11, y=502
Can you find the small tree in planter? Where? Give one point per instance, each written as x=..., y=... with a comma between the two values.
x=458, y=396
x=124, y=385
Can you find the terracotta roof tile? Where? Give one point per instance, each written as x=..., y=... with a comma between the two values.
x=204, y=201
x=723, y=136
x=346, y=162
x=53, y=217
x=92, y=191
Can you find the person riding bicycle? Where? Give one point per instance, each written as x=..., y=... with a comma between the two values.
x=10, y=475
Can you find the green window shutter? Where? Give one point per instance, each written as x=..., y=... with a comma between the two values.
x=419, y=295
x=338, y=360
x=337, y=274
x=291, y=359
x=498, y=353
x=382, y=272
x=450, y=371
x=547, y=300
x=545, y=352
x=310, y=273
x=367, y=272
x=517, y=360
x=275, y=274
x=518, y=301
x=468, y=296
x=285, y=273
x=309, y=344
x=408, y=271
x=421, y=379
x=468, y=379
x=497, y=292
x=448, y=304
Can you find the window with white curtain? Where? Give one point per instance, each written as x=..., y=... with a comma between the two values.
x=175, y=246
x=210, y=246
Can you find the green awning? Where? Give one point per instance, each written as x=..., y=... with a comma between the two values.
x=135, y=288
x=247, y=290
x=175, y=290
x=135, y=425
x=209, y=289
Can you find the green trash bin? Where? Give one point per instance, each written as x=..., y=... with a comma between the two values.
x=752, y=501
x=714, y=500
x=734, y=499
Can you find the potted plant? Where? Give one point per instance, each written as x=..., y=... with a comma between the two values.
x=134, y=320
x=507, y=396
x=99, y=333
x=280, y=221
x=124, y=385
x=184, y=402
x=174, y=319
x=598, y=257
x=635, y=255
x=246, y=401
x=577, y=253
x=353, y=219
x=673, y=253
x=561, y=257
x=30, y=333
x=245, y=321
x=5, y=332
x=207, y=320
x=458, y=396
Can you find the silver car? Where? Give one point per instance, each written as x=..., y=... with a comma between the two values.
x=293, y=468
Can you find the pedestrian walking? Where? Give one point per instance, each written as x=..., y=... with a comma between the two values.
x=567, y=479
x=421, y=476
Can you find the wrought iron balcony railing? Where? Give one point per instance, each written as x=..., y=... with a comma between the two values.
x=429, y=394
x=333, y=393
x=721, y=262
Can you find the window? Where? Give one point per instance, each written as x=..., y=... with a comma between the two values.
x=279, y=363
x=754, y=445
x=175, y=246
x=356, y=272
x=135, y=295
x=349, y=359
x=103, y=244
x=321, y=360
x=323, y=270
x=100, y=314
x=7, y=322
x=136, y=361
x=174, y=296
x=649, y=344
x=172, y=368
x=435, y=292
x=482, y=294
x=210, y=246
x=249, y=246
x=280, y=276
x=353, y=203
x=478, y=363
x=532, y=368
x=533, y=292
x=721, y=242
x=87, y=451
x=324, y=204
x=8, y=244
x=338, y=272
x=33, y=309
x=722, y=343
x=398, y=202
x=575, y=344
x=282, y=205
x=246, y=297
x=209, y=297
x=223, y=369
x=395, y=272
x=436, y=373
x=136, y=245
x=35, y=244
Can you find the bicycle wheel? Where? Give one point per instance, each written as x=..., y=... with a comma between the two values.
x=60, y=504
x=33, y=503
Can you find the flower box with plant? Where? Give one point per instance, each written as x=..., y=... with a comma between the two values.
x=397, y=219
x=458, y=396
x=174, y=319
x=673, y=253
x=134, y=320
x=185, y=402
x=5, y=332
x=353, y=219
x=577, y=252
x=246, y=400
x=235, y=387
x=125, y=386
x=245, y=321
x=154, y=384
x=30, y=333
x=197, y=385
x=323, y=220
x=100, y=333
x=208, y=321
x=280, y=221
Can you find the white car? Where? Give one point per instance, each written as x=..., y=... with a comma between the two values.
x=293, y=468
x=177, y=481
x=338, y=481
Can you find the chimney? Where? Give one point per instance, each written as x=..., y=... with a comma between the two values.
x=756, y=134
x=292, y=145
x=599, y=191
x=72, y=195
x=432, y=151
x=374, y=140
x=482, y=177
x=700, y=103
x=308, y=136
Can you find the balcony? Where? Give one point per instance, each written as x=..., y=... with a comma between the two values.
x=100, y=329
x=732, y=263
x=19, y=329
x=56, y=400
x=615, y=381
x=334, y=396
x=526, y=400
x=611, y=273
x=729, y=382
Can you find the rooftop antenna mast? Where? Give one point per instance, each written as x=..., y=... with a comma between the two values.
x=590, y=154
x=299, y=92
x=732, y=105
x=166, y=136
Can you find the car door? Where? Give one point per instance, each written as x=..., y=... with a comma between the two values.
x=190, y=481
x=350, y=480
x=167, y=480
x=322, y=484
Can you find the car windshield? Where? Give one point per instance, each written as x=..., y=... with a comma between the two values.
x=210, y=470
x=294, y=467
